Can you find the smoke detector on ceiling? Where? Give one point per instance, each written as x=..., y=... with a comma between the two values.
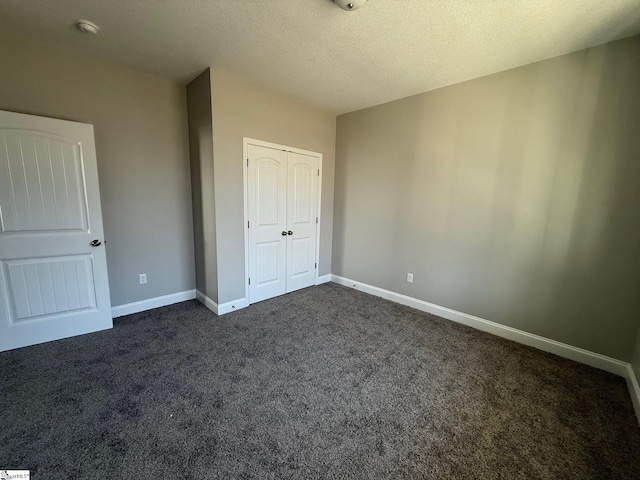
x=350, y=5
x=85, y=26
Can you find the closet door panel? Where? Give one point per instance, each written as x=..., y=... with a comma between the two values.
x=267, y=205
x=302, y=198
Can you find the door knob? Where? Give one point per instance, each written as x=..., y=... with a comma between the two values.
x=284, y=234
x=289, y=232
x=96, y=243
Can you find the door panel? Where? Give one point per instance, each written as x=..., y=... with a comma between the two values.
x=268, y=186
x=267, y=173
x=300, y=250
x=53, y=283
x=267, y=263
x=302, y=198
x=50, y=285
x=41, y=184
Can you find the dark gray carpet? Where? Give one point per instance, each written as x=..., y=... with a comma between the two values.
x=323, y=383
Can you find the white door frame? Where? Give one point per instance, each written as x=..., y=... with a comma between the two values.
x=246, y=141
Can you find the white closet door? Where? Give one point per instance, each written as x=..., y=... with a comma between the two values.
x=53, y=269
x=267, y=209
x=302, y=198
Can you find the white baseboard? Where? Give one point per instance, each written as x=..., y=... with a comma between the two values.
x=221, y=309
x=323, y=279
x=232, y=306
x=580, y=355
x=207, y=302
x=634, y=390
x=150, y=303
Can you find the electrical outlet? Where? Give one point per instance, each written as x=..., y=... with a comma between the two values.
x=143, y=278
x=410, y=277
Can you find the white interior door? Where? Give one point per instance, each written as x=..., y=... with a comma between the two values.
x=53, y=281
x=267, y=207
x=282, y=205
x=302, y=197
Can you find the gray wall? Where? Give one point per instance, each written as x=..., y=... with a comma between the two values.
x=513, y=197
x=635, y=363
x=141, y=140
x=202, y=184
x=242, y=109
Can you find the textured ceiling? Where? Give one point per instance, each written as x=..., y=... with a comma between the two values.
x=313, y=50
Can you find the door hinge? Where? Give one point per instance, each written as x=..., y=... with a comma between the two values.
x=247, y=162
x=248, y=224
x=316, y=265
x=318, y=172
x=249, y=280
x=316, y=219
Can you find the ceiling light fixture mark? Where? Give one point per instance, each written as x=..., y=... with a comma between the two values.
x=85, y=26
x=350, y=5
